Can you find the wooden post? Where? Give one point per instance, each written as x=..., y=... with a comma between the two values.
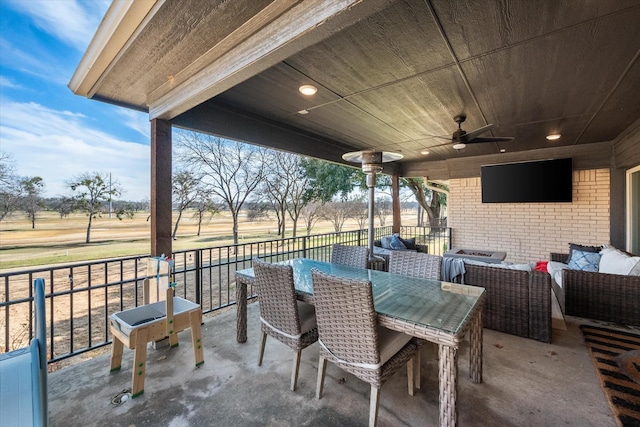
x=160, y=187
x=395, y=200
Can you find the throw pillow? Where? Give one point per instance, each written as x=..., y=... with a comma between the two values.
x=409, y=243
x=386, y=242
x=583, y=248
x=396, y=243
x=584, y=261
x=615, y=261
x=541, y=266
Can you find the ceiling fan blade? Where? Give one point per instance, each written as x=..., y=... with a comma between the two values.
x=473, y=134
x=440, y=145
x=490, y=139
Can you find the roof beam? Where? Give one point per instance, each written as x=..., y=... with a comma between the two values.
x=122, y=20
x=281, y=30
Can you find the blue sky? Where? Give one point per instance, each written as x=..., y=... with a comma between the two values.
x=47, y=130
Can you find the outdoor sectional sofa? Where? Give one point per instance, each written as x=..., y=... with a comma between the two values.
x=601, y=296
x=518, y=300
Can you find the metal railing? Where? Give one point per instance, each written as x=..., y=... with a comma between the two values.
x=80, y=297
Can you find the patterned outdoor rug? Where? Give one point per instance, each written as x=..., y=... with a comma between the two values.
x=616, y=356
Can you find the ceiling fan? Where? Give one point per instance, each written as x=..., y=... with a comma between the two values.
x=461, y=138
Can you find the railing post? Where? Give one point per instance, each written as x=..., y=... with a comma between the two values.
x=198, y=275
x=359, y=237
x=304, y=246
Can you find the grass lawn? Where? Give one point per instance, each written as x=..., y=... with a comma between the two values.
x=56, y=240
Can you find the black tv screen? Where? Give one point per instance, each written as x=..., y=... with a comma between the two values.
x=527, y=182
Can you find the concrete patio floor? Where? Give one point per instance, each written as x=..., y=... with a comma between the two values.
x=526, y=383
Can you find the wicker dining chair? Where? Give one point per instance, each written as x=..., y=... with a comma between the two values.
x=351, y=338
x=353, y=256
x=415, y=264
x=282, y=317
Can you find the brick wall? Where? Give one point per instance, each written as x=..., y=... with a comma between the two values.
x=529, y=231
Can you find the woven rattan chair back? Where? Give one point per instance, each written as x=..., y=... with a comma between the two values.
x=415, y=264
x=346, y=318
x=280, y=315
x=277, y=296
x=353, y=256
x=348, y=336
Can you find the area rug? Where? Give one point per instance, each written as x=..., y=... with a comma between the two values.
x=616, y=356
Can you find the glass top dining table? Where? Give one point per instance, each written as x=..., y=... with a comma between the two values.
x=440, y=312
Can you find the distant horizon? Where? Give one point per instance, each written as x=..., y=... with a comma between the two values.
x=46, y=129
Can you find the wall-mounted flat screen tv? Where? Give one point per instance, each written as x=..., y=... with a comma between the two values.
x=528, y=182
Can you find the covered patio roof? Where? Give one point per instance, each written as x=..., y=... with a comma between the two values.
x=391, y=75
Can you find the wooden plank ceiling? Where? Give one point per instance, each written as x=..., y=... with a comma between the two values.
x=391, y=75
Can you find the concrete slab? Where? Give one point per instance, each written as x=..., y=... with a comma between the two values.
x=526, y=383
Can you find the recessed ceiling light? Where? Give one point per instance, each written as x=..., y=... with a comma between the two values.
x=308, y=90
x=502, y=150
x=303, y=112
x=424, y=152
x=553, y=136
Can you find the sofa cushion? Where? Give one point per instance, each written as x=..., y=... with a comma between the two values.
x=396, y=243
x=584, y=261
x=409, y=243
x=614, y=261
x=583, y=248
x=555, y=271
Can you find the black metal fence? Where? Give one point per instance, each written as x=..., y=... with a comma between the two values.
x=81, y=297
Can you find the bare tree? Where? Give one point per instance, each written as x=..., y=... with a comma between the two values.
x=359, y=210
x=383, y=208
x=287, y=186
x=230, y=170
x=63, y=205
x=31, y=200
x=9, y=186
x=337, y=213
x=311, y=213
x=185, y=192
x=276, y=187
x=93, y=191
x=205, y=208
x=298, y=194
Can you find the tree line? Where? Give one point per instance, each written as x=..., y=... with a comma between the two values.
x=213, y=174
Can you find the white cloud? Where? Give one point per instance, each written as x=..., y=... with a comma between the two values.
x=8, y=82
x=74, y=22
x=56, y=145
x=137, y=121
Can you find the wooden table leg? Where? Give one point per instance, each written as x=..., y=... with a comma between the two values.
x=448, y=366
x=475, y=351
x=116, y=354
x=139, y=362
x=195, y=318
x=241, y=311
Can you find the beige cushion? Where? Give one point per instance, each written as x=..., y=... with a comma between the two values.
x=307, y=315
x=390, y=342
x=614, y=261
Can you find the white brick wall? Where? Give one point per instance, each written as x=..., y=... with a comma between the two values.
x=530, y=231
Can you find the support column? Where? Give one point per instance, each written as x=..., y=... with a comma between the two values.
x=395, y=201
x=160, y=187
